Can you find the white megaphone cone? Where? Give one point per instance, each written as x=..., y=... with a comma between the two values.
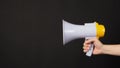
x=89, y=30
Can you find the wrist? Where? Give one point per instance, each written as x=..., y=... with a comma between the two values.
x=103, y=49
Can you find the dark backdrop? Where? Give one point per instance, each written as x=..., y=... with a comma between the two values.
x=31, y=33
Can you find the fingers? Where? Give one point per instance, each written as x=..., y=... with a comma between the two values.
x=87, y=44
x=86, y=48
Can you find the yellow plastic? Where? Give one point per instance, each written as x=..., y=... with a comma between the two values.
x=100, y=30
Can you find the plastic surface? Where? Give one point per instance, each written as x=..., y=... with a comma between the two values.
x=72, y=31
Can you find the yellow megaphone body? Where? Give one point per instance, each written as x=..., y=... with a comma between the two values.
x=87, y=31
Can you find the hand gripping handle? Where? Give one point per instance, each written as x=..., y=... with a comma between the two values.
x=90, y=51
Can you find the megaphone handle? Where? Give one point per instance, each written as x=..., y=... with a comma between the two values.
x=90, y=51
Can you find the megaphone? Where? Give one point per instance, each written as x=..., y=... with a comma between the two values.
x=87, y=31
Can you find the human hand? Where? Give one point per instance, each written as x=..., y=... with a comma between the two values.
x=97, y=46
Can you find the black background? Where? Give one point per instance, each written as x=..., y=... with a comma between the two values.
x=31, y=33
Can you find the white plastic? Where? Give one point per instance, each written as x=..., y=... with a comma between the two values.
x=72, y=31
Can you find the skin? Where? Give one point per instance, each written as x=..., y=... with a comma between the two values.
x=100, y=48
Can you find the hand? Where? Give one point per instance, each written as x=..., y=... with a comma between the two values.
x=97, y=46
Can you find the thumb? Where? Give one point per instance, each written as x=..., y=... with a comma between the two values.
x=90, y=40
